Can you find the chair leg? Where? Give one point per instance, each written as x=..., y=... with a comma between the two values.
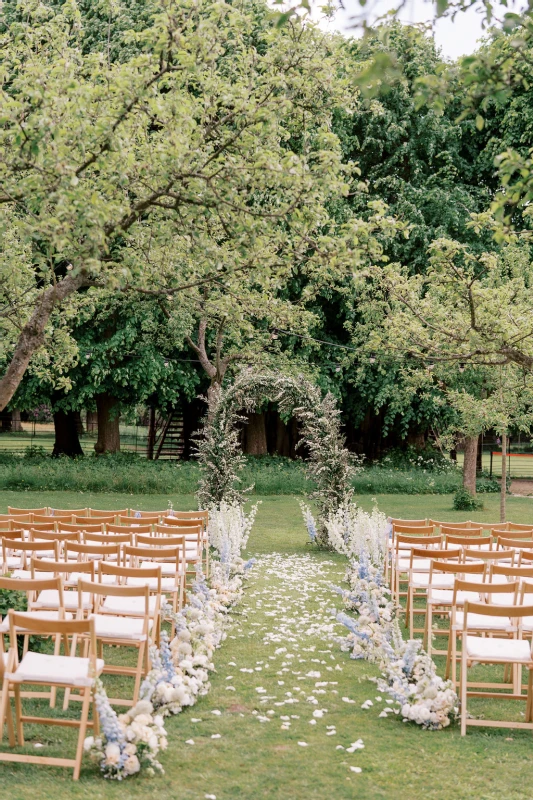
x=428, y=632
x=138, y=673
x=83, y=730
x=53, y=689
x=463, y=682
x=529, y=706
x=6, y=716
x=18, y=715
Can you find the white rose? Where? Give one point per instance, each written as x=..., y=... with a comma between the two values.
x=131, y=765
x=112, y=753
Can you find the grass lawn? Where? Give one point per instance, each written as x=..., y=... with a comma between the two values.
x=254, y=760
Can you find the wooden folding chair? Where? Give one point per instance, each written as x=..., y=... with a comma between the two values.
x=133, y=522
x=492, y=625
x=401, y=558
x=121, y=630
x=136, y=514
x=473, y=542
x=15, y=553
x=70, y=574
x=171, y=560
x=457, y=525
x=21, y=518
x=95, y=512
x=472, y=533
x=515, y=526
x=100, y=519
x=108, y=538
x=56, y=671
x=32, y=588
x=195, y=543
x=503, y=543
x=192, y=517
x=419, y=577
x=440, y=596
x=525, y=557
x=515, y=652
x=56, y=518
x=75, y=551
x=419, y=523
x=488, y=556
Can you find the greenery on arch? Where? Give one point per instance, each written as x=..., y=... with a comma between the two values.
x=330, y=466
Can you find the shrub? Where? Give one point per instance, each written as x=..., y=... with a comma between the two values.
x=464, y=501
x=427, y=458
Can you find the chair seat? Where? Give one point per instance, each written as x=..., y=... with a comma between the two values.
x=498, y=649
x=527, y=624
x=502, y=599
x=167, y=567
x=109, y=627
x=421, y=580
x=419, y=565
x=445, y=597
x=167, y=584
x=44, y=668
x=482, y=622
x=49, y=598
x=129, y=605
x=4, y=625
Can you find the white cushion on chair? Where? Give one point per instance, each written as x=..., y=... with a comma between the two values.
x=129, y=605
x=50, y=598
x=499, y=649
x=111, y=627
x=167, y=584
x=4, y=625
x=445, y=596
x=55, y=669
x=421, y=580
x=167, y=568
x=481, y=621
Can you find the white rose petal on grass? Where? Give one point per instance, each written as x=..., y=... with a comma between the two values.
x=260, y=690
x=331, y=733
x=189, y=741
x=210, y=796
x=356, y=769
x=216, y=712
x=347, y=700
x=303, y=744
x=215, y=736
x=312, y=721
x=196, y=720
x=318, y=713
x=383, y=714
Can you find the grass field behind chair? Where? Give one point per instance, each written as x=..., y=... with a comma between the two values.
x=399, y=762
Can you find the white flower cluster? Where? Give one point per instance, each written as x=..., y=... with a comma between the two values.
x=409, y=674
x=229, y=529
x=410, y=678
x=129, y=742
x=352, y=531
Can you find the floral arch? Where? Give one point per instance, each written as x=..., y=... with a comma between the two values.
x=330, y=466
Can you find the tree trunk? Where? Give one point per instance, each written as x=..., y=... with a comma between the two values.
x=256, y=442
x=67, y=441
x=79, y=423
x=32, y=334
x=503, y=487
x=151, y=435
x=16, y=424
x=108, y=425
x=470, y=462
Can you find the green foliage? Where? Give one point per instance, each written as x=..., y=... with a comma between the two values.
x=427, y=458
x=464, y=501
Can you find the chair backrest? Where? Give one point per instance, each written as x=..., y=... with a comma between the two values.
x=516, y=526
x=55, y=519
x=13, y=510
x=488, y=555
x=146, y=519
x=469, y=541
x=54, y=536
x=515, y=613
x=420, y=530
x=123, y=573
x=151, y=515
x=99, y=518
x=96, y=512
x=417, y=523
x=456, y=525
x=20, y=622
x=526, y=536
x=202, y=515
x=76, y=526
x=133, y=556
x=403, y=541
x=191, y=531
x=27, y=546
x=85, y=551
x=33, y=587
x=503, y=543
x=42, y=526
x=131, y=529
x=99, y=591
x=489, y=526
x=107, y=538
x=510, y=572
x=65, y=512
x=422, y=552
x=142, y=540
x=20, y=518
x=525, y=557
x=464, y=532
x=62, y=567
x=487, y=589
x=452, y=567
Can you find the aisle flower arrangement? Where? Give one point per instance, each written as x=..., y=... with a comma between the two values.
x=127, y=742
x=409, y=675
x=229, y=529
x=131, y=742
